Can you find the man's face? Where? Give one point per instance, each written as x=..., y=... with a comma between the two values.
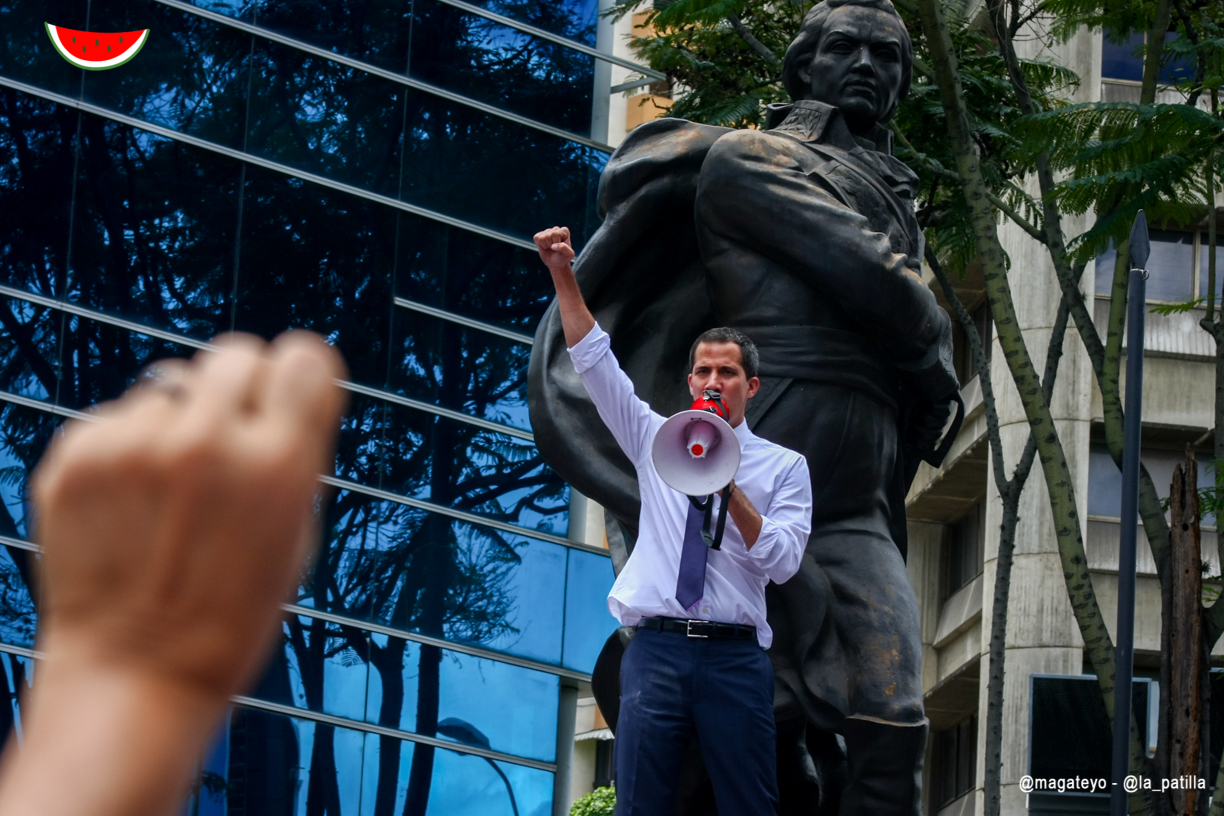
x=720, y=367
x=857, y=66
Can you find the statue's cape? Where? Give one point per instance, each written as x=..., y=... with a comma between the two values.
x=642, y=277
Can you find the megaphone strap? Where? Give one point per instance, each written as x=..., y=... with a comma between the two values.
x=714, y=542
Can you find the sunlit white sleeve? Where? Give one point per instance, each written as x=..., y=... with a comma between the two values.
x=785, y=524
x=628, y=418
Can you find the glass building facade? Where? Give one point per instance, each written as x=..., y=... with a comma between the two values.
x=373, y=172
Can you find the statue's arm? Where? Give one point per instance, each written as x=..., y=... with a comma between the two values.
x=755, y=192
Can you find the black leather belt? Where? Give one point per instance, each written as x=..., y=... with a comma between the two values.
x=700, y=628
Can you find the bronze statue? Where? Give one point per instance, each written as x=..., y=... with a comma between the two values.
x=802, y=236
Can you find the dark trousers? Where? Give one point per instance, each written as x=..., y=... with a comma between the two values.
x=673, y=685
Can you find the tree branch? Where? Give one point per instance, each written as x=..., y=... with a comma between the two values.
x=753, y=43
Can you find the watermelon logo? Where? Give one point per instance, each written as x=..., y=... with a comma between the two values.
x=96, y=50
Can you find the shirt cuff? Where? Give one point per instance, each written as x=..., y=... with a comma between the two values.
x=588, y=351
x=762, y=550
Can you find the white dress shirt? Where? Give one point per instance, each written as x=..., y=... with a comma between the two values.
x=773, y=478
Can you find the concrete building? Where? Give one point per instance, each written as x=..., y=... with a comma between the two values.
x=955, y=512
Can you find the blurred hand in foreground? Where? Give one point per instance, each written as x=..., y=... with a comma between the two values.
x=172, y=529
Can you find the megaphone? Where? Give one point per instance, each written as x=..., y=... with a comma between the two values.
x=696, y=451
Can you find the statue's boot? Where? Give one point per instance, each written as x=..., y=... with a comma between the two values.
x=884, y=768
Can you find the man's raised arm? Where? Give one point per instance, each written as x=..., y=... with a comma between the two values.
x=556, y=252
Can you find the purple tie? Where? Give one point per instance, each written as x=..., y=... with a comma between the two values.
x=690, y=583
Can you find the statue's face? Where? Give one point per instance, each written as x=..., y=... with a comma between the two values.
x=857, y=66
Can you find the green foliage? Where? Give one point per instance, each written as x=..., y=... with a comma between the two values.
x=599, y=802
x=993, y=114
x=725, y=78
x=1118, y=17
x=1167, y=309
x=1121, y=157
x=1211, y=497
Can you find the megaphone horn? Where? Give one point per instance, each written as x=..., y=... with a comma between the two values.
x=696, y=451
x=700, y=437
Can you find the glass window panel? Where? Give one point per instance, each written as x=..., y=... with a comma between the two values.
x=317, y=259
x=26, y=52
x=502, y=66
x=154, y=230
x=464, y=369
x=1206, y=479
x=1119, y=60
x=18, y=615
x=1104, y=484
x=468, y=699
x=238, y=9
x=191, y=75
x=325, y=118
x=496, y=173
x=1177, y=69
x=36, y=179
x=345, y=124
x=268, y=764
x=359, y=567
x=326, y=667
x=384, y=779
x=587, y=620
x=24, y=434
x=329, y=768
x=208, y=787
x=530, y=591
x=373, y=32
x=471, y=700
x=1170, y=266
x=466, y=785
x=29, y=349
x=100, y=361
x=16, y=680
x=1105, y=270
x=1105, y=479
x=1204, y=260
x=360, y=450
x=458, y=465
x=459, y=784
x=500, y=591
x=469, y=275
x=574, y=19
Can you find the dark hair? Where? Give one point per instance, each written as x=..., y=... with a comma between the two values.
x=749, y=357
x=803, y=48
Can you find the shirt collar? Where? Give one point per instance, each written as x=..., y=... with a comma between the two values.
x=742, y=433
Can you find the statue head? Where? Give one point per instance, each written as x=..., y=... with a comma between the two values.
x=855, y=55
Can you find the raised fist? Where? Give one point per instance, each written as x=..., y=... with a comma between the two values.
x=555, y=249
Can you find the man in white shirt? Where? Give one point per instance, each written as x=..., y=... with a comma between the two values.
x=697, y=661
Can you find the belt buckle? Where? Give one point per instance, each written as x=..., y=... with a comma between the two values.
x=688, y=629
